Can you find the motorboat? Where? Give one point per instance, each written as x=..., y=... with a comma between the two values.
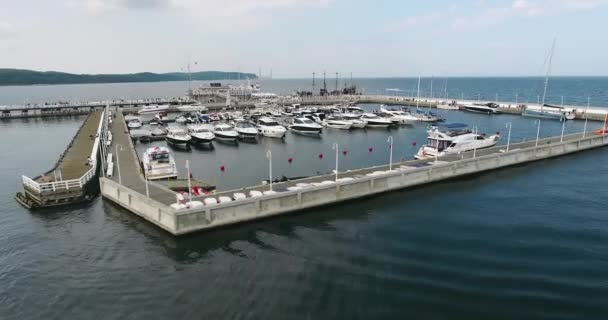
x=158, y=163
x=426, y=116
x=214, y=117
x=269, y=127
x=489, y=108
x=354, y=109
x=192, y=108
x=304, y=125
x=225, y=132
x=245, y=129
x=186, y=118
x=153, y=108
x=453, y=138
x=337, y=122
x=201, y=133
x=177, y=137
x=403, y=117
x=374, y=121
x=161, y=117
x=548, y=112
x=355, y=119
x=134, y=124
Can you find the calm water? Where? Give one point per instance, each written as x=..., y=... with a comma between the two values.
x=529, y=242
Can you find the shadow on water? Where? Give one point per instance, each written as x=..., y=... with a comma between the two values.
x=419, y=198
x=204, y=146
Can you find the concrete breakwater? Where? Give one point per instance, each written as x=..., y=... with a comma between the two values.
x=246, y=204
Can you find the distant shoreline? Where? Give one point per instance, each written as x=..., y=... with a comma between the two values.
x=18, y=77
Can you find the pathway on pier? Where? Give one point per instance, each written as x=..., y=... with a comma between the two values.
x=130, y=169
x=74, y=163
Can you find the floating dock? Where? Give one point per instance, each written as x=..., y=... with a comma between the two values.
x=73, y=178
x=158, y=204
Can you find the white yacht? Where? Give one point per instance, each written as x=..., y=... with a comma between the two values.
x=225, y=132
x=374, y=121
x=337, y=122
x=153, y=108
x=245, y=129
x=402, y=117
x=306, y=126
x=177, y=137
x=158, y=163
x=489, y=108
x=355, y=119
x=186, y=118
x=269, y=127
x=134, y=124
x=425, y=116
x=201, y=133
x=453, y=138
x=192, y=108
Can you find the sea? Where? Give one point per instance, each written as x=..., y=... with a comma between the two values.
x=525, y=242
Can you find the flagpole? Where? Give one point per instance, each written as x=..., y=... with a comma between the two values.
x=189, y=186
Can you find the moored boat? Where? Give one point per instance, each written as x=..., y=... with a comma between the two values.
x=158, y=163
x=453, y=138
x=177, y=137
x=201, y=133
x=269, y=127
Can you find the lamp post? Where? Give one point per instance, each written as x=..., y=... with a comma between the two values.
x=269, y=156
x=475, y=130
x=337, y=148
x=118, y=163
x=561, y=139
x=508, y=126
x=585, y=127
x=537, y=121
x=390, y=146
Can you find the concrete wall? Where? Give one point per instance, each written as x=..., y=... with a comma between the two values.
x=253, y=208
x=205, y=217
x=149, y=209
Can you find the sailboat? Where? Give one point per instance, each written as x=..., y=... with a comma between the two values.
x=546, y=110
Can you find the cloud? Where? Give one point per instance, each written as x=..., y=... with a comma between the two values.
x=210, y=13
x=493, y=15
x=7, y=29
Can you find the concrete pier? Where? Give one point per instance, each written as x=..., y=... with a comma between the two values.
x=70, y=179
x=236, y=206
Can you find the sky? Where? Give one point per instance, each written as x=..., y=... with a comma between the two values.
x=370, y=38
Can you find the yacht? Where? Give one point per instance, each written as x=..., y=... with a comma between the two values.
x=426, y=116
x=337, y=122
x=134, y=124
x=402, y=117
x=354, y=109
x=158, y=163
x=374, y=121
x=245, y=129
x=186, y=118
x=161, y=117
x=196, y=107
x=177, y=137
x=453, y=138
x=225, y=132
x=304, y=125
x=269, y=127
x=214, y=117
x=548, y=112
x=201, y=133
x=453, y=105
x=355, y=119
x=153, y=108
x=489, y=108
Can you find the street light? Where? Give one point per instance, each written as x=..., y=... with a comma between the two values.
x=508, y=125
x=118, y=162
x=390, y=146
x=585, y=128
x=337, y=148
x=561, y=139
x=537, y=131
x=475, y=130
x=189, y=185
x=269, y=156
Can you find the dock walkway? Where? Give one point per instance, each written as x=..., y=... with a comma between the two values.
x=74, y=162
x=126, y=160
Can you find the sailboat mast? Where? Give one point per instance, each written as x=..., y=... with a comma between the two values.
x=548, y=72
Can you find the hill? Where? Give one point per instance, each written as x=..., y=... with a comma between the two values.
x=29, y=77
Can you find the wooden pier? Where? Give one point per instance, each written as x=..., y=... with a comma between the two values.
x=73, y=178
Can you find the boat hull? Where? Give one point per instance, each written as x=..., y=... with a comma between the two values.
x=199, y=140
